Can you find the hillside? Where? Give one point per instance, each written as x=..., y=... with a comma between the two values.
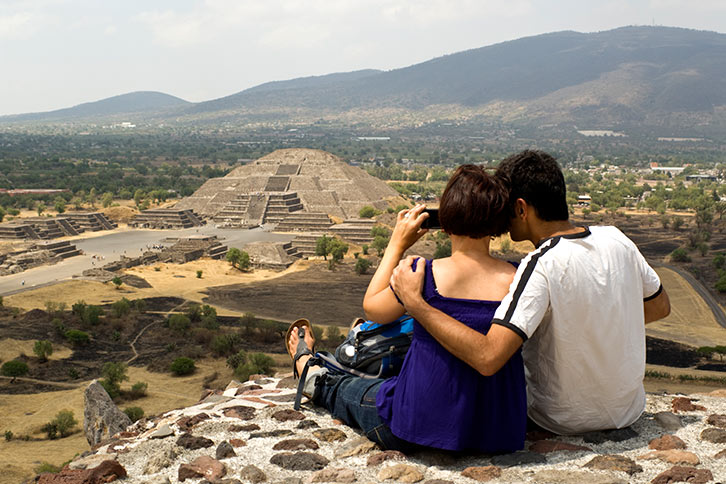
x=630, y=76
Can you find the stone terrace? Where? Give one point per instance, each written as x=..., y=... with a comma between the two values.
x=250, y=433
x=51, y=228
x=166, y=218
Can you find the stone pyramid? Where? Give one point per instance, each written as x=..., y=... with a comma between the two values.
x=287, y=181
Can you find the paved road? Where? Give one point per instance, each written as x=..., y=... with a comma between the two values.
x=716, y=309
x=131, y=243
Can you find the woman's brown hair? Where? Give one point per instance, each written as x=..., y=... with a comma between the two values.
x=474, y=204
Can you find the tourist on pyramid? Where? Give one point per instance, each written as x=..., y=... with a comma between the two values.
x=578, y=307
x=437, y=400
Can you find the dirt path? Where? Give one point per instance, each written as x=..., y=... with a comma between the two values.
x=717, y=310
x=44, y=382
x=133, y=343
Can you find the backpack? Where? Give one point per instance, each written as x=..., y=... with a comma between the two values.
x=370, y=350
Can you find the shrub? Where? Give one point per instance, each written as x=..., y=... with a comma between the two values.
x=364, y=249
x=380, y=230
x=209, y=317
x=79, y=308
x=47, y=468
x=721, y=283
x=139, y=305
x=121, y=308
x=379, y=244
x=238, y=258
x=179, y=323
x=117, y=282
x=61, y=426
x=237, y=359
x=225, y=344
x=443, y=249
x=43, y=349
x=248, y=322
x=199, y=274
x=361, y=265
x=73, y=374
x=182, y=366
x=333, y=335
x=367, y=212
x=113, y=374
x=8, y=435
x=138, y=390
x=719, y=261
x=77, y=337
x=257, y=363
x=134, y=413
x=14, y=369
x=1, y=301
x=680, y=255
x=194, y=312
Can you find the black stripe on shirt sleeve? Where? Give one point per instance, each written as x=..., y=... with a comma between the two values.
x=657, y=293
x=512, y=327
x=523, y=280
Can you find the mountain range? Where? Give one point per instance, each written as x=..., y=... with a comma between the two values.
x=655, y=76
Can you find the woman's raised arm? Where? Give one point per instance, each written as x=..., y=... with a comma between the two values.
x=380, y=303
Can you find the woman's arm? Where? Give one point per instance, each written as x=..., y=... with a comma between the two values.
x=380, y=303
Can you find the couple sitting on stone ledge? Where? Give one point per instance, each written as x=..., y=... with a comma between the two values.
x=556, y=343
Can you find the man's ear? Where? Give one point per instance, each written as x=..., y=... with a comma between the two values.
x=521, y=208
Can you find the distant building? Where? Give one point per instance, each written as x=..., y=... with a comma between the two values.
x=700, y=178
x=673, y=170
x=584, y=200
x=32, y=191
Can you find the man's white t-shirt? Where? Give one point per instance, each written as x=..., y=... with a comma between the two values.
x=577, y=301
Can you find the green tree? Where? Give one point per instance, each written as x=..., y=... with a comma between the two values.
x=322, y=246
x=121, y=308
x=43, y=349
x=2, y=214
x=40, y=208
x=14, y=369
x=182, y=366
x=361, y=265
x=680, y=255
x=113, y=375
x=138, y=390
x=367, y=212
x=64, y=422
x=59, y=205
x=77, y=337
x=338, y=249
x=379, y=244
x=179, y=323
x=238, y=258
x=719, y=260
x=134, y=413
x=117, y=282
x=257, y=363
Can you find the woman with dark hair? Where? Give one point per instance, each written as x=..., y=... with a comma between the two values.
x=438, y=400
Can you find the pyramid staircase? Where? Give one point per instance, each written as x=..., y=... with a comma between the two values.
x=166, y=218
x=304, y=222
x=357, y=231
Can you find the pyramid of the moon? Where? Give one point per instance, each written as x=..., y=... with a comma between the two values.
x=287, y=181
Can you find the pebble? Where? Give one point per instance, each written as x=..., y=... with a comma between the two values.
x=225, y=450
x=271, y=433
x=673, y=456
x=333, y=475
x=667, y=442
x=614, y=463
x=308, y=424
x=191, y=442
x=717, y=436
x=617, y=435
x=553, y=476
x=668, y=420
x=186, y=423
x=381, y=457
x=683, y=404
x=204, y=466
x=162, y=432
x=107, y=471
x=296, y=444
x=241, y=412
x=288, y=414
x=243, y=428
x=237, y=442
x=359, y=446
x=683, y=474
x=299, y=461
x=717, y=420
x=160, y=460
x=401, y=473
x=253, y=474
x=482, y=474
x=330, y=435
x=518, y=458
x=547, y=446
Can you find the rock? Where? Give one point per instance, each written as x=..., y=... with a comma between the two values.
x=617, y=435
x=668, y=420
x=107, y=471
x=159, y=460
x=225, y=450
x=535, y=435
x=299, y=461
x=381, y=457
x=237, y=442
x=192, y=442
x=482, y=474
x=91, y=461
x=720, y=455
x=359, y=446
x=667, y=442
x=683, y=474
x=252, y=474
x=401, y=473
x=683, y=404
x=240, y=411
x=101, y=417
x=204, y=466
x=290, y=480
x=288, y=414
x=438, y=458
x=547, y=446
x=287, y=382
x=329, y=435
x=333, y=475
x=158, y=480
x=560, y=476
x=673, y=456
x=717, y=420
x=243, y=428
x=162, y=432
x=614, y=463
x=296, y=444
x=308, y=424
x=518, y=458
x=288, y=398
x=438, y=481
x=186, y=423
x=271, y=433
x=717, y=436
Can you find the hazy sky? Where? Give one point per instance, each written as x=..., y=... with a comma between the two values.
x=59, y=53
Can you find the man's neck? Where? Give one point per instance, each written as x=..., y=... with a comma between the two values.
x=546, y=230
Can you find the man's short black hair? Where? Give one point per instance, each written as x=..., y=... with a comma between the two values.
x=536, y=177
x=474, y=204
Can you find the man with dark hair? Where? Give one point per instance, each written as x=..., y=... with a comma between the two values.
x=578, y=303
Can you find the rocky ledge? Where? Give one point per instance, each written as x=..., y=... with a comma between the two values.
x=250, y=433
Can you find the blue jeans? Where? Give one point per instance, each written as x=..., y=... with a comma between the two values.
x=353, y=400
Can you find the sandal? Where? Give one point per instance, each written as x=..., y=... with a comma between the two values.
x=301, y=325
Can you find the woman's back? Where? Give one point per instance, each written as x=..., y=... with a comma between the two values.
x=440, y=401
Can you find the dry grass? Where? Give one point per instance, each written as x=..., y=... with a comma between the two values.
x=691, y=321
x=12, y=348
